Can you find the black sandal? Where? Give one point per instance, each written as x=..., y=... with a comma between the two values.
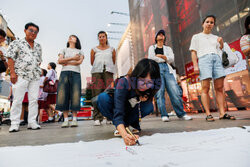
x=228, y=117
x=209, y=118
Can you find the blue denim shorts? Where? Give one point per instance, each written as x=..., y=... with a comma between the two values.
x=68, y=91
x=210, y=66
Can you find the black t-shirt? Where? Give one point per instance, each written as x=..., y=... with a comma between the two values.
x=159, y=51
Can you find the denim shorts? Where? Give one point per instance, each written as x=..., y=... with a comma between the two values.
x=69, y=91
x=210, y=66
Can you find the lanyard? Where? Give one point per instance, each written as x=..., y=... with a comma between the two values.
x=139, y=108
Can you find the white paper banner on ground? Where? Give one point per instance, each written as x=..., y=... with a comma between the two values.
x=187, y=149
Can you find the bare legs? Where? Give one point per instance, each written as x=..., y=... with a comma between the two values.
x=220, y=98
x=205, y=95
x=65, y=114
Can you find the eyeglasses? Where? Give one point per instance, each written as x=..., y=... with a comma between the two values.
x=32, y=31
x=143, y=82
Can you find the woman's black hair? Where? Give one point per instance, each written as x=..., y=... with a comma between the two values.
x=78, y=43
x=103, y=32
x=208, y=17
x=247, y=22
x=2, y=33
x=44, y=72
x=52, y=65
x=31, y=25
x=142, y=69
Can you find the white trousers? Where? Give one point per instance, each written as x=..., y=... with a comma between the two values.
x=19, y=89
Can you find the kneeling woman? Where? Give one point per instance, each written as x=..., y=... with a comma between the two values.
x=132, y=98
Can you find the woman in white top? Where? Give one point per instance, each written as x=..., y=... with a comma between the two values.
x=164, y=55
x=69, y=85
x=204, y=47
x=103, y=59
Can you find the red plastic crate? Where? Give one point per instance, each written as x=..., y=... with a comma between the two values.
x=45, y=116
x=85, y=112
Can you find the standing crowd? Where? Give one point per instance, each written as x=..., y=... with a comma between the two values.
x=124, y=101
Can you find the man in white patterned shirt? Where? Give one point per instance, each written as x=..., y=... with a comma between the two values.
x=24, y=59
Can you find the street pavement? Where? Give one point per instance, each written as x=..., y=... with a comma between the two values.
x=52, y=133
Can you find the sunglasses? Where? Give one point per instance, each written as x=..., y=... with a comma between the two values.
x=143, y=82
x=32, y=31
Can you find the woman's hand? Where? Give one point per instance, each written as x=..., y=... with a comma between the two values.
x=127, y=138
x=161, y=56
x=195, y=64
x=130, y=140
x=220, y=40
x=13, y=78
x=76, y=57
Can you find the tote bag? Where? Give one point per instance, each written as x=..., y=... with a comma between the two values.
x=232, y=58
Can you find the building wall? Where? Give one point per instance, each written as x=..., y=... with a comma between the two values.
x=123, y=58
x=181, y=19
x=3, y=23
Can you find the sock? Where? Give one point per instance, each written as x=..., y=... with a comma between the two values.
x=50, y=118
x=74, y=118
x=66, y=119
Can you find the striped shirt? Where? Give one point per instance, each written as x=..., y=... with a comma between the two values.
x=245, y=42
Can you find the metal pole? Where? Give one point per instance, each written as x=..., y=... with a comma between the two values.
x=121, y=13
x=119, y=24
x=239, y=19
x=199, y=9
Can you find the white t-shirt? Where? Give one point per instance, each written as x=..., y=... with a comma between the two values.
x=42, y=95
x=103, y=57
x=51, y=75
x=204, y=44
x=69, y=52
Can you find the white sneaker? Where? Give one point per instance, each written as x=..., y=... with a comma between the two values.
x=14, y=128
x=135, y=131
x=97, y=123
x=108, y=122
x=65, y=124
x=33, y=126
x=186, y=118
x=165, y=119
x=74, y=124
x=172, y=113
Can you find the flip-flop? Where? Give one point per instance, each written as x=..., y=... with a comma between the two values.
x=209, y=118
x=116, y=133
x=135, y=131
x=228, y=117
